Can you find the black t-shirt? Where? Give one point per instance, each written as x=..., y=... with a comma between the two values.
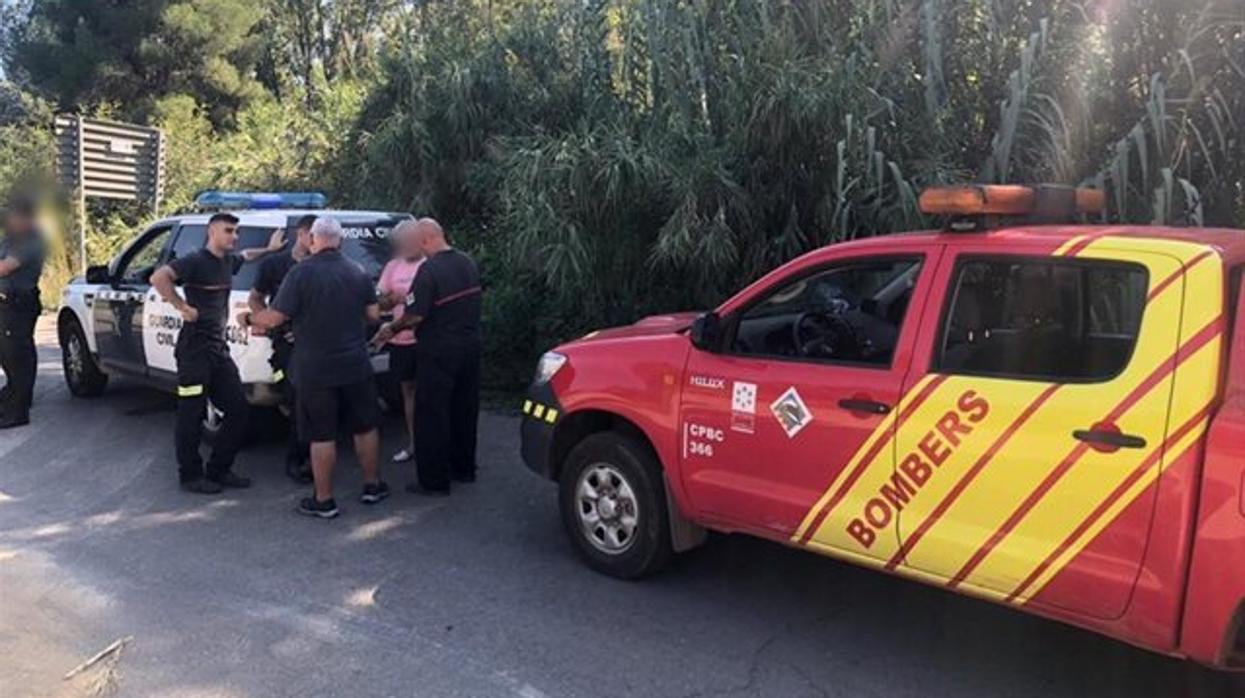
x=272, y=271
x=446, y=294
x=327, y=296
x=208, y=280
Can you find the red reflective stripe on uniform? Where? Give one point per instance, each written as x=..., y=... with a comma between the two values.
x=1105, y=505
x=1202, y=338
x=863, y=464
x=967, y=479
x=455, y=296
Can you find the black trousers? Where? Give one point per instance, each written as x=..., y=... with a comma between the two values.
x=297, y=451
x=447, y=413
x=18, y=356
x=207, y=373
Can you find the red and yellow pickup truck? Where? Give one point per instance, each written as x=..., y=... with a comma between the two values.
x=1045, y=414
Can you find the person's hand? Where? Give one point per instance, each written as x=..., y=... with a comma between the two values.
x=383, y=335
x=189, y=313
x=396, y=298
x=277, y=241
x=244, y=320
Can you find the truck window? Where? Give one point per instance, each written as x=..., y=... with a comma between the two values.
x=849, y=313
x=1064, y=321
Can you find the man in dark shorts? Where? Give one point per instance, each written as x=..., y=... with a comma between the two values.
x=205, y=370
x=272, y=272
x=22, y=250
x=444, y=309
x=329, y=299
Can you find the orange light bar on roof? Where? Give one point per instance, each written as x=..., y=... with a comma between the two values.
x=1010, y=200
x=993, y=199
x=1091, y=200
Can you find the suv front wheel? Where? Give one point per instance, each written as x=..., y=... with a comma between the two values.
x=614, y=506
x=82, y=374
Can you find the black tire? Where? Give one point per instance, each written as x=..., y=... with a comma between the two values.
x=82, y=375
x=614, y=459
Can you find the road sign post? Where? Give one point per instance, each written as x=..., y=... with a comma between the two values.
x=108, y=160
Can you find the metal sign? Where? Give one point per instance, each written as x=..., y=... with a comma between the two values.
x=108, y=160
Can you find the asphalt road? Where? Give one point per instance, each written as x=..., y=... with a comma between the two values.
x=474, y=595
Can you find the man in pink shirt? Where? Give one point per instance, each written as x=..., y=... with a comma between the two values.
x=394, y=285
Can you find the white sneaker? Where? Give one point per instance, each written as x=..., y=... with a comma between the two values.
x=402, y=456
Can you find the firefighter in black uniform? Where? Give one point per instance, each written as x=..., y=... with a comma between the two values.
x=272, y=272
x=204, y=368
x=21, y=262
x=444, y=309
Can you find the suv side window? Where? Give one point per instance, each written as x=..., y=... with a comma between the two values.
x=192, y=238
x=1043, y=319
x=850, y=313
x=141, y=260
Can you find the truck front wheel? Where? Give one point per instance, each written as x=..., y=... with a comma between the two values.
x=614, y=506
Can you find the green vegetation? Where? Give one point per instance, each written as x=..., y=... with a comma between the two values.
x=611, y=158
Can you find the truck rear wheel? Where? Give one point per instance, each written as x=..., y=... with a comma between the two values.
x=82, y=375
x=614, y=506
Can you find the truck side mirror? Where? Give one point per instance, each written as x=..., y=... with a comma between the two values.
x=706, y=332
x=98, y=274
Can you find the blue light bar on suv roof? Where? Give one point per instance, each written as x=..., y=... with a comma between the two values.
x=222, y=200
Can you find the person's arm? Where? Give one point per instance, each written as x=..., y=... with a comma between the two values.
x=164, y=280
x=265, y=319
x=373, y=313
x=389, y=297
x=257, y=301
x=388, y=300
x=284, y=307
x=275, y=243
x=28, y=253
x=423, y=290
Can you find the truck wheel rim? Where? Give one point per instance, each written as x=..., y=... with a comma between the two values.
x=606, y=505
x=73, y=359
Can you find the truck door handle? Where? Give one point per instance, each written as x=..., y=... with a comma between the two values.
x=863, y=405
x=1112, y=439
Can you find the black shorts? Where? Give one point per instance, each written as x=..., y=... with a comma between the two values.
x=402, y=361
x=325, y=412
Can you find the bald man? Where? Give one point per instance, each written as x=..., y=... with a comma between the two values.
x=444, y=310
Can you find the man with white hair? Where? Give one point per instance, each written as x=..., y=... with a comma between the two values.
x=330, y=300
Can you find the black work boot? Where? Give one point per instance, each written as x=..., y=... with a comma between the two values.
x=200, y=486
x=230, y=479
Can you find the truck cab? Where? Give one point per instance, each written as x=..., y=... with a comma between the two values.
x=1042, y=414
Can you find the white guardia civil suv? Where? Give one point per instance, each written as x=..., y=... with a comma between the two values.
x=112, y=322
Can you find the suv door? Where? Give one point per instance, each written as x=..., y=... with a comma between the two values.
x=791, y=417
x=1065, y=367
x=118, y=309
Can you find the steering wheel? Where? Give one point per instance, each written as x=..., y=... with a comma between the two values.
x=825, y=335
